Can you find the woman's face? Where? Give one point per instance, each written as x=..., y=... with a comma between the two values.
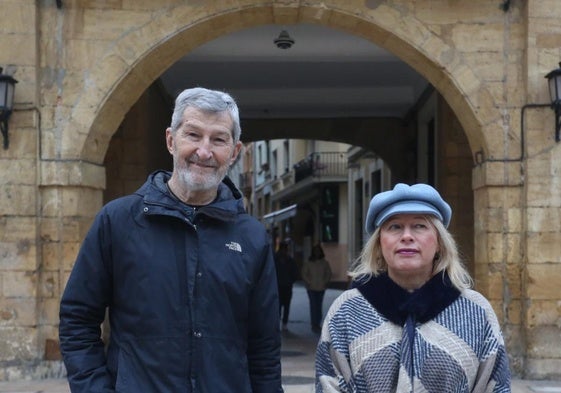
x=409, y=243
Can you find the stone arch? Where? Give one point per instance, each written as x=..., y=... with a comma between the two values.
x=129, y=66
x=141, y=56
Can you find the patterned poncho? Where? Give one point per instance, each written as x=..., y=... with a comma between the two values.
x=379, y=338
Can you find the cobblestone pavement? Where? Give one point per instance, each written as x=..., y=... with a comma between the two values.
x=293, y=385
x=298, y=351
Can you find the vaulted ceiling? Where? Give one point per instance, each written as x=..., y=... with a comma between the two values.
x=326, y=73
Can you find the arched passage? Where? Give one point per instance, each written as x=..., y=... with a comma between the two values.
x=392, y=143
x=142, y=55
x=128, y=65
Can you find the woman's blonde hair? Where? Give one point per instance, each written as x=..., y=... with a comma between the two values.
x=371, y=262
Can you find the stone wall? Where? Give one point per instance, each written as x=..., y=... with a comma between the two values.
x=139, y=145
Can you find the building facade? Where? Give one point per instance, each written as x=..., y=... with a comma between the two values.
x=301, y=196
x=83, y=66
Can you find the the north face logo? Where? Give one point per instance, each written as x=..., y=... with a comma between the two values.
x=234, y=246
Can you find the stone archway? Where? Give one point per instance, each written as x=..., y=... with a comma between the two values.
x=132, y=64
x=128, y=66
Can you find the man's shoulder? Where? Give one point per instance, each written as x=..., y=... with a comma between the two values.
x=122, y=202
x=246, y=219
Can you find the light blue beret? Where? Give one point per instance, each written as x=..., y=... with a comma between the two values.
x=404, y=199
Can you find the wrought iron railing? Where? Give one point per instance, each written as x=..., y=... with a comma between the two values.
x=321, y=164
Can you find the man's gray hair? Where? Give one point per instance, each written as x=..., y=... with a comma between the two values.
x=208, y=101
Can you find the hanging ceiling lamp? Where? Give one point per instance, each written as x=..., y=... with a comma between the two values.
x=284, y=41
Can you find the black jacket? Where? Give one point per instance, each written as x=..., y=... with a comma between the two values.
x=192, y=300
x=287, y=270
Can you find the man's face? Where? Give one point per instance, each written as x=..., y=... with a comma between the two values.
x=203, y=149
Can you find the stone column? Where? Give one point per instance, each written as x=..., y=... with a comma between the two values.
x=499, y=253
x=70, y=194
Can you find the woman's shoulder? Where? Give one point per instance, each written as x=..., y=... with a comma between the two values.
x=481, y=301
x=352, y=313
x=475, y=297
x=347, y=299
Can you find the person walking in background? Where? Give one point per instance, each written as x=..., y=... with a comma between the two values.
x=287, y=274
x=187, y=276
x=411, y=323
x=316, y=274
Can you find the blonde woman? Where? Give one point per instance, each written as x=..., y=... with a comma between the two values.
x=411, y=323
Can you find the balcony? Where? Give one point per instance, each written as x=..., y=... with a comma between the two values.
x=321, y=164
x=246, y=183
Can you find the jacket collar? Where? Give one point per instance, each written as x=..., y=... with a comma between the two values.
x=227, y=205
x=397, y=304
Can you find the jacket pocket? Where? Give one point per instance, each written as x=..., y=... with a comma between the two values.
x=153, y=364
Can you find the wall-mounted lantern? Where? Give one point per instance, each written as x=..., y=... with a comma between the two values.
x=7, y=87
x=554, y=81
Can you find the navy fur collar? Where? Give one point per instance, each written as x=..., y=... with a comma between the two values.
x=396, y=304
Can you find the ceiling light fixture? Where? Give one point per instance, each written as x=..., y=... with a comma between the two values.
x=284, y=41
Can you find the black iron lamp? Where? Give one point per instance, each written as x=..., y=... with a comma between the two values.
x=554, y=81
x=7, y=87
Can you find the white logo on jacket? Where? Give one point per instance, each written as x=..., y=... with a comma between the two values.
x=234, y=246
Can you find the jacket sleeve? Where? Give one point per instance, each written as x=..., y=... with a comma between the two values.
x=331, y=364
x=264, y=341
x=82, y=310
x=500, y=377
x=494, y=371
x=497, y=365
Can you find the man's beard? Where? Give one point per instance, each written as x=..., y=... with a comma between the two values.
x=199, y=181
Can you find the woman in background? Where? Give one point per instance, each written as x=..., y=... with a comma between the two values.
x=316, y=274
